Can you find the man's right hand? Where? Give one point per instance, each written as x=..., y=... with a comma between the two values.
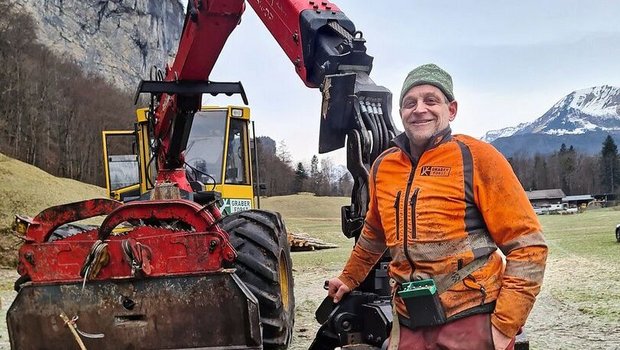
x=337, y=289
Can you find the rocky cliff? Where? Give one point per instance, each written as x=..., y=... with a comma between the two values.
x=117, y=39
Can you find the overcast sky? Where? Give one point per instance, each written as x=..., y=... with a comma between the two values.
x=510, y=61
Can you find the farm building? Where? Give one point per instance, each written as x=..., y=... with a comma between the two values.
x=540, y=198
x=577, y=201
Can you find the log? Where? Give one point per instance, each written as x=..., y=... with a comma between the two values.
x=303, y=242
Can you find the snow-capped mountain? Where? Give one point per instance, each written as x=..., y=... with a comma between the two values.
x=583, y=118
x=505, y=132
x=593, y=109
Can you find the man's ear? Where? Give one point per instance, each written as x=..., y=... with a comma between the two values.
x=453, y=107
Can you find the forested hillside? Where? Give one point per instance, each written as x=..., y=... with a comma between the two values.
x=575, y=173
x=51, y=113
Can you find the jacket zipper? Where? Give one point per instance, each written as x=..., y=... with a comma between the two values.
x=397, y=209
x=414, y=200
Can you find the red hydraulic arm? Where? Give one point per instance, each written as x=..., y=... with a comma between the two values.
x=326, y=51
x=282, y=19
x=206, y=29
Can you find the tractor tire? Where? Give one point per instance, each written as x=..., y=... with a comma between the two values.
x=264, y=264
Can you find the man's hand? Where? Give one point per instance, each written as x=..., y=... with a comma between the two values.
x=500, y=341
x=336, y=289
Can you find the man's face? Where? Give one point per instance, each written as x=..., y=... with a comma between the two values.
x=425, y=112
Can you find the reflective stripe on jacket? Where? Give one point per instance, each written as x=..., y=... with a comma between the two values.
x=459, y=201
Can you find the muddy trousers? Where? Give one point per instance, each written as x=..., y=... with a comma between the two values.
x=469, y=333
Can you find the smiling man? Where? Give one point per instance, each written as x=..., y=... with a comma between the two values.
x=442, y=205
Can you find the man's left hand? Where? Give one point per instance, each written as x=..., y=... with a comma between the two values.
x=500, y=341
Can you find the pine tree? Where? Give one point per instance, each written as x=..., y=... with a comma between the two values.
x=315, y=176
x=567, y=167
x=301, y=175
x=610, y=165
x=540, y=178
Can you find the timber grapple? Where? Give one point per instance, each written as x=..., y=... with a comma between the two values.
x=153, y=275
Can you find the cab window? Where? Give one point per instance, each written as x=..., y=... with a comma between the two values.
x=205, y=146
x=236, y=162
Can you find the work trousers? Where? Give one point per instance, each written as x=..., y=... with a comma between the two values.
x=468, y=333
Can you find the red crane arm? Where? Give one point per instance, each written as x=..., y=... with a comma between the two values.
x=207, y=26
x=282, y=19
x=327, y=52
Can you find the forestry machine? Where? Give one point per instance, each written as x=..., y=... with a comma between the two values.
x=169, y=271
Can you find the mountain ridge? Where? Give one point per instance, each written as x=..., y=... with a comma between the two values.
x=582, y=118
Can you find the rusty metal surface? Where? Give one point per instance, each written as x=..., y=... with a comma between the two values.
x=42, y=226
x=170, y=253
x=201, y=246
x=212, y=311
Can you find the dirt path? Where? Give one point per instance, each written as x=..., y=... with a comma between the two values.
x=589, y=322
x=7, y=277
x=554, y=325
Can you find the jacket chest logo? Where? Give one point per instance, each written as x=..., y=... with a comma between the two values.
x=430, y=170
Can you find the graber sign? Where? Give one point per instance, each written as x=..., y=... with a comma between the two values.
x=231, y=205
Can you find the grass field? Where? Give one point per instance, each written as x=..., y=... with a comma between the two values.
x=589, y=234
x=26, y=190
x=319, y=217
x=585, y=247
x=587, y=237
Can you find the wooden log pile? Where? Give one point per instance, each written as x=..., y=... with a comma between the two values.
x=301, y=242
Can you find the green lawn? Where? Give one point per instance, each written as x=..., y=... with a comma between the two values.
x=589, y=234
x=583, y=267
x=320, y=218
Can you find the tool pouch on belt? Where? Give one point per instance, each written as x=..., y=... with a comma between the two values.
x=422, y=297
x=423, y=304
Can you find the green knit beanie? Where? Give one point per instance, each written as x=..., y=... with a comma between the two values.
x=428, y=74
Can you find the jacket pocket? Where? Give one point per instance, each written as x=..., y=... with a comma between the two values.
x=397, y=214
x=412, y=203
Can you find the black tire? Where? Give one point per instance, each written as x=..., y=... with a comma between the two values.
x=264, y=265
x=618, y=234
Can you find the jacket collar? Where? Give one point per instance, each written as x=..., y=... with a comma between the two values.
x=402, y=141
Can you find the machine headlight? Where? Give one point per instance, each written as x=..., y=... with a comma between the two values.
x=236, y=112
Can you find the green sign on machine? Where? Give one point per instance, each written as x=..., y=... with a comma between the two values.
x=233, y=205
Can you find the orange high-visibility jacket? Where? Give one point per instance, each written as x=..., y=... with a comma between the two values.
x=459, y=201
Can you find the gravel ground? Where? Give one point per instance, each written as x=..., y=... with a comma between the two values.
x=591, y=321
x=7, y=277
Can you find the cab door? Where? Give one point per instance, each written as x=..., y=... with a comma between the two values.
x=121, y=165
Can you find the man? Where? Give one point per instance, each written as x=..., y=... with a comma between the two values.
x=442, y=204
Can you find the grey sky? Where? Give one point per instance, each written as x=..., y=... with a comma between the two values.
x=510, y=61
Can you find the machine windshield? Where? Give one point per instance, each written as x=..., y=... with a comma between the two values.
x=124, y=171
x=205, y=147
